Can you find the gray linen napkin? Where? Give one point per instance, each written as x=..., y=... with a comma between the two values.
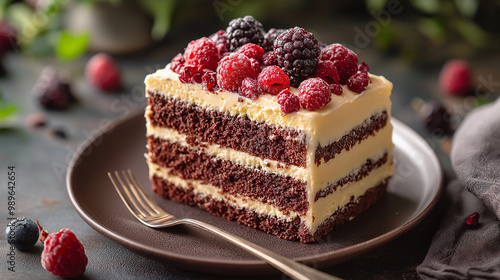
x=459, y=251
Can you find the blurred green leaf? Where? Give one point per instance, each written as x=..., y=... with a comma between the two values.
x=375, y=5
x=70, y=46
x=6, y=109
x=472, y=32
x=467, y=8
x=432, y=28
x=427, y=6
x=22, y=17
x=162, y=12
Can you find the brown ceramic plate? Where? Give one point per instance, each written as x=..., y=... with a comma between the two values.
x=413, y=192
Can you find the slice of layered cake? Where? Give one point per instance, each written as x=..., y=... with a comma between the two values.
x=270, y=130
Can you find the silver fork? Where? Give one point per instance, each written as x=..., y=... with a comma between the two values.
x=150, y=214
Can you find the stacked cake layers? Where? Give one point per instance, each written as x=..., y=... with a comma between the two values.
x=296, y=176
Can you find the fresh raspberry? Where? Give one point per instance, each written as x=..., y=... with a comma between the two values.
x=269, y=38
x=53, y=91
x=358, y=82
x=63, y=255
x=202, y=53
x=209, y=81
x=336, y=89
x=314, y=94
x=273, y=80
x=103, y=72
x=191, y=75
x=241, y=31
x=220, y=39
x=250, y=88
x=327, y=71
x=288, y=101
x=455, y=77
x=233, y=69
x=252, y=51
x=343, y=58
x=363, y=67
x=297, y=54
x=177, y=63
x=269, y=59
x=8, y=37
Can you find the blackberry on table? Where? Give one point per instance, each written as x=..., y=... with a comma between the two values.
x=244, y=30
x=297, y=53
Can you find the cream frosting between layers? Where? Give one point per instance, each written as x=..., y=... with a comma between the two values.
x=322, y=209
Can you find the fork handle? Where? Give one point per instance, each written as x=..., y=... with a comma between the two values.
x=290, y=267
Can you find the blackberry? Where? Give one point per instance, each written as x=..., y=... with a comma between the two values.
x=53, y=91
x=269, y=38
x=244, y=30
x=297, y=53
x=22, y=233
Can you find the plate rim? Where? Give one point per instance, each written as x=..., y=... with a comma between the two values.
x=321, y=260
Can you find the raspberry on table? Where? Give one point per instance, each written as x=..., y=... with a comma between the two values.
x=252, y=51
x=269, y=38
x=314, y=94
x=343, y=58
x=297, y=53
x=250, y=88
x=327, y=71
x=220, y=39
x=63, y=254
x=288, y=101
x=233, y=69
x=103, y=73
x=22, y=233
x=241, y=31
x=202, y=53
x=455, y=77
x=358, y=82
x=53, y=91
x=273, y=80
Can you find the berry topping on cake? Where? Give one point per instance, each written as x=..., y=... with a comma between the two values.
x=103, y=73
x=362, y=67
x=358, y=82
x=53, y=91
x=269, y=59
x=297, y=53
x=336, y=89
x=244, y=30
x=273, y=80
x=220, y=40
x=250, y=88
x=63, y=255
x=472, y=220
x=314, y=94
x=252, y=51
x=269, y=38
x=190, y=74
x=343, y=58
x=328, y=72
x=233, y=69
x=22, y=233
x=209, y=81
x=288, y=101
x=177, y=63
x=202, y=53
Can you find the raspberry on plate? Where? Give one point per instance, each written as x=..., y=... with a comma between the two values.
x=297, y=53
x=314, y=94
x=64, y=255
x=233, y=69
x=202, y=53
x=273, y=80
x=103, y=72
x=288, y=101
x=343, y=58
